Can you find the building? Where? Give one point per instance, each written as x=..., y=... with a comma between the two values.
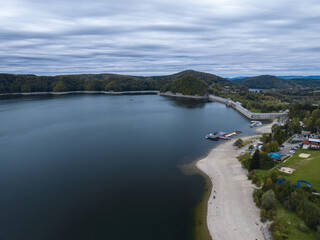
x=276, y=156
x=311, y=143
x=305, y=133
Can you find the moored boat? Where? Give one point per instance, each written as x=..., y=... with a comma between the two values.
x=221, y=135
x=255, y=124
x=212, y=136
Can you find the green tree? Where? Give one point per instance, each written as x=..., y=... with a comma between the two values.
x=268, y=199
x=265, y=162
x=254, y=160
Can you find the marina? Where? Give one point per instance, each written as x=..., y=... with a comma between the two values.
x=221, y=135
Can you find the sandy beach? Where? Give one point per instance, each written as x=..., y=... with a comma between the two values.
x=232, y=213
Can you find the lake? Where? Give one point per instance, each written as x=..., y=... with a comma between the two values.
x=104, y=167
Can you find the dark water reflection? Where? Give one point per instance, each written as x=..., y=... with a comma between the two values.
x=188, y=102
x=103, y=167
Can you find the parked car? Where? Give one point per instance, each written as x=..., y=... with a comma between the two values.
x=292, y=152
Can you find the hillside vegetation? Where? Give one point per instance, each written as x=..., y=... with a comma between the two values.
x=269, y=82
x=187, y=85
x=265, y=82
x=10, y=83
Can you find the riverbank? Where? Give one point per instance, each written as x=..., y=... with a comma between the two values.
x=80, y=92
x=231, y=212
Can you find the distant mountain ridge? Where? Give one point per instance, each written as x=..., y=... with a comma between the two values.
x=11, y=83
x=282, y=77
x=273, y=82
x=299, y=77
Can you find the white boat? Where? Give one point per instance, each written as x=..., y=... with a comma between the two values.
x=255, y=124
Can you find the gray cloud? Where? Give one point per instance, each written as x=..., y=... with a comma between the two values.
x=225, y=37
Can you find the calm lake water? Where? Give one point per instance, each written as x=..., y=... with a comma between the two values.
x=103, y=167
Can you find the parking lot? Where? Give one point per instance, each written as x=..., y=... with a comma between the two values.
x=287, y=149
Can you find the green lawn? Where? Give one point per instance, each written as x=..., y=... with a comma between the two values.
x=291, y=221
x=261, y=173
x=306, y=169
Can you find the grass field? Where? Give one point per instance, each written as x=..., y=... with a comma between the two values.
x=306, y=169
x=261, y=173
x=291, y=221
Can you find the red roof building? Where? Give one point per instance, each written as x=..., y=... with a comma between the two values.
x=312, y=143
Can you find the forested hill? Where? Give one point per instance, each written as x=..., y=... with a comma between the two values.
x=10, y=83
x=265, y=82
x=187, y=85
x=269, y=81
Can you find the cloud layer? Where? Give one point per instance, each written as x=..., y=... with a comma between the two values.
x=224, y=37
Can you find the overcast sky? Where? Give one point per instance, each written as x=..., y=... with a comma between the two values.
x=224, y=37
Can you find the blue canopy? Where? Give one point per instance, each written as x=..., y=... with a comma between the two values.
x=275, y=155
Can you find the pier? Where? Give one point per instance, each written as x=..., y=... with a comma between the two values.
x=253, y=116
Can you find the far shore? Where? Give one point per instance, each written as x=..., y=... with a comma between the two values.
x=231, y=212
x=86, y=92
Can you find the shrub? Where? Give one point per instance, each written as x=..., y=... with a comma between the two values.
x=287, y=205
x=257, y=194
x=279, y=230
x=263, y=215
x=239, y=143
x=255, y=177
x=318, y=232
x=267, y=185
x=311, y=214
x=258, y=183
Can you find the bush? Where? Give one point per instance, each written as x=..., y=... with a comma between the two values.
x=244, y=159
x=267, y=184
x=257, y=194
x=254, y=178
x=258, y=183
x=311, y=214
x=263, y=215
x=279, y=230
x=287, y=205
x=318, y=232
x=268, y=199
x=303, y=227
x=239, y=143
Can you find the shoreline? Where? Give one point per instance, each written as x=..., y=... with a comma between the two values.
x=230, y=212
x=80, y=92
x=170, y=94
